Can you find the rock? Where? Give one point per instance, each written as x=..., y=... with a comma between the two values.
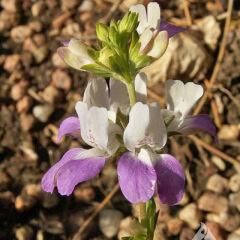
x=109, y=222
x=28, y=149
x=26, y=59
x=211, y=202
x=69, y=4
x=221, y=165
x=160, y=232
x=38, y=8
x=58, y=62
x=24, y=202
x=43, y=112
x=19, y=90
x=229, y=221
x=187, y=234
x=8, y=20
x=126, y=227
x=24, y=104
x=164, y=209
x=52, y=95
x=84, y=193
x=11, y=62
x=233, y=236
x=216, y=230
x=20, y=33
x=191, y=215
x=228, y=132
x=41, y=54
x=36, y=26
x=234, y=183
x=213, y=217
x=40, y=235
x=51, y=3
x=185, y=199
x=86, y=17
x=86, y=5
x=71, y=30
x=27, y=121
x=174, y=226
x=234, y=199
x=5, y=180
x=29, y=45
x=217, y=183
x=60, y=21
x=6, y=198
x=33, y=190
x=24, y=233
x=10, y=5
x=61, y=79
x=39, y=39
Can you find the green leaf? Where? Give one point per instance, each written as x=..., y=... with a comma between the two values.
x=143, y=61
x=168, y=120
x=114, y=24
x=114, y=36
x=121, y=119
x=134, y=40
x=102, y=32
x=93, y=54
x=97, y=70
x=115, y=64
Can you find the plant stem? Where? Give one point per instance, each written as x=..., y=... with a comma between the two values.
x=141, y=211
x=132, y=93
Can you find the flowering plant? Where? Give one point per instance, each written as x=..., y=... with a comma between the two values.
x=117, y=120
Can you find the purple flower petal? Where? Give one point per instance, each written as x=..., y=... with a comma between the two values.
x=49, y=180
x=65, y=44
x=136, y=178
x=70, y=127
x=170, y=179
x=76, y=171
x=193, y=124
x=171, y=29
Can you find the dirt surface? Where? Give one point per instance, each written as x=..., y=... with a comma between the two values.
x=37, y=91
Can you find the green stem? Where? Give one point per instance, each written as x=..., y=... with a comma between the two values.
x=132, y=93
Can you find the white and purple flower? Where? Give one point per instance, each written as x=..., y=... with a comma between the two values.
x=180, y=98
x=154, y=33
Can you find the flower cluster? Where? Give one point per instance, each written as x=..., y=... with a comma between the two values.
x=115, y=118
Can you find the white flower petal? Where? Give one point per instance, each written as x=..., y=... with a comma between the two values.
x=153, y=15
x=113, y=143
x=145, y=40
x=145, y=127
x=160, y=44
x=96, y=93
x=142, y=17
x=181, y=98
x=94, y=125
x=79, y=48
x=118, y=98
x=141, y=87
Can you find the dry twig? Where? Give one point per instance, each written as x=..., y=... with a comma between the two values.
x=187, y=13
x=215, y=151
x=95, y=213
x=219, y=58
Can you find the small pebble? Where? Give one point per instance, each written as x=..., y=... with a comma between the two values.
x=187, y=234
x=24, y=202
x=8, y=20
x=20, y=33
x=191, y=215
x=234, y=183
x=174, y=226
x=216, y=230
x=24, y=104
x=60, y=21
x=211, y=202
x=84, y=193
x=221, y=165
x=228, y=132
x=19, y=90
x=52, y=95
x=24, y=233
x=11, y=62
x=126, y=227
x=38, y=8
x=87, y=5
x=41, y=54
x=43, y=112
x=10, y=5
x=69, y=4
x=234, y=199
x=229, y=221
x=61, y=79
x=217, y=183
x=27, y=121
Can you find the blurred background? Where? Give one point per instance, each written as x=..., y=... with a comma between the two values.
x=37, y=91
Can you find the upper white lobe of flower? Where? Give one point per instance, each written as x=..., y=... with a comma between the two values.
x=97, y=94
x=145, y=128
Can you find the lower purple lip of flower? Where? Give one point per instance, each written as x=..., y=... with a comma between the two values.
x=170, y=179
x=70, y=127
x=67, y=173
x=65, y=44
x=200, y=122
x=136, y=179
x=171, y=29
